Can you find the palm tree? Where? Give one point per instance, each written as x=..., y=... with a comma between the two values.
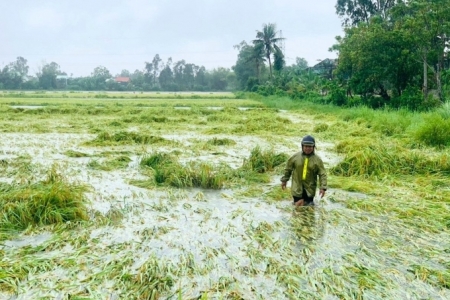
x=268, y=39
x=258, y=59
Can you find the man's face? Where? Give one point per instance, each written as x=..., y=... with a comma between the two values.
x=307, y=149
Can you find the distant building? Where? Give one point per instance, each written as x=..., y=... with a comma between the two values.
x=324, y=67
x=123, y=80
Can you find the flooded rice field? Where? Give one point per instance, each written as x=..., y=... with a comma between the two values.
x=145, y=239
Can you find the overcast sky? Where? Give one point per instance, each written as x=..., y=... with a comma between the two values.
x=81, y=35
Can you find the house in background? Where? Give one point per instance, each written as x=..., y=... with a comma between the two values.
x=122, y=80
x=324, y=68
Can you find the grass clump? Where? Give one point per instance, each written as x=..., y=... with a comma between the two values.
x=381, y=159
x=50, y=201
x=221, y=142
x=124, y=137
x=73, y=153
x=119, y=162
x=152, y=118
x=156, y=160
x=434, y=131
x=256, y=168
x=168, y=171
x=264, y=161
x=444, y=110
x=197, y=174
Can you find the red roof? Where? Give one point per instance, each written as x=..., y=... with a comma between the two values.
x=122, y=79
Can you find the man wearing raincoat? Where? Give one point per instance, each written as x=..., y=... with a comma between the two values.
x=305, y=167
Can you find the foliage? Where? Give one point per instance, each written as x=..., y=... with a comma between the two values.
x=366, y=56
x=180, y=76
x=356, y=11
x=338, y=95
x=249, y=68
x=268, y=40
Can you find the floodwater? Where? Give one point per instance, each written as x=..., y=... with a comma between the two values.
x=264, y=249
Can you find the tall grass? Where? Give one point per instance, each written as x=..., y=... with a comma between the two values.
x=433, y=131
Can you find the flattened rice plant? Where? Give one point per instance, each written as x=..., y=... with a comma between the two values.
x=51, y=201
x=124, y=137
x=381, y=160
x=167, y=170
x=264, y=161
x=153, y=279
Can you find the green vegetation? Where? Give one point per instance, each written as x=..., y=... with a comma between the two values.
x=207, y=181
x=51, y=201
x=166, y=169
x=264, y=161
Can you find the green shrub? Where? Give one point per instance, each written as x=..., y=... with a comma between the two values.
x=337, y=95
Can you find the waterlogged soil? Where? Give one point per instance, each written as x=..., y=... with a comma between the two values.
x=217, y=243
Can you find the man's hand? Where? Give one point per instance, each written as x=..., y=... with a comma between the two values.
x=283, y=185
x=321, y=193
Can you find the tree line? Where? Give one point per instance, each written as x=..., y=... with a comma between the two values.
x=155, y=76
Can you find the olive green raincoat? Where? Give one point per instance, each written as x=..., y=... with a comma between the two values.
x=305, y=177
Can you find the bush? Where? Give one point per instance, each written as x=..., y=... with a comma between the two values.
x=337, y=95
x=411, y=98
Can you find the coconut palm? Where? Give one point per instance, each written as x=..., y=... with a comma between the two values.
x=268, y=39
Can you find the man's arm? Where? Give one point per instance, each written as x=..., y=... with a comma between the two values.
x=287, y=172
x=322, y=179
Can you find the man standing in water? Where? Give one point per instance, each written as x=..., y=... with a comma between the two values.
x=305, y=167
